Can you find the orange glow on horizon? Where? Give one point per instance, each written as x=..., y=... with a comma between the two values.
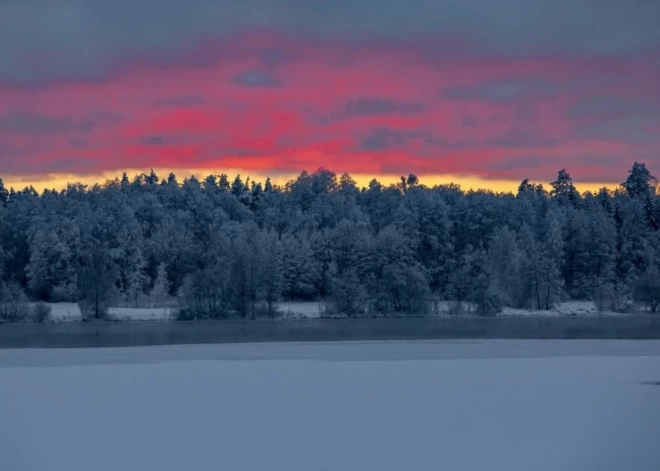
x=60, y=181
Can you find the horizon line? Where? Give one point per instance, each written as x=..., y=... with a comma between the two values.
x=59, y=181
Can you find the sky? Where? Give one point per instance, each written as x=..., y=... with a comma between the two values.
x=478, y=92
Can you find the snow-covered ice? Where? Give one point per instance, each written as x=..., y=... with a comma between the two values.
x=469, y=405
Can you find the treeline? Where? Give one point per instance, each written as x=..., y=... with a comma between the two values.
x=224, y=248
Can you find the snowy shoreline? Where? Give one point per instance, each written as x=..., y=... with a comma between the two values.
x=70, y=312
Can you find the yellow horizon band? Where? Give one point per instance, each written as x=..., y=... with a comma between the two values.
x=60, y=181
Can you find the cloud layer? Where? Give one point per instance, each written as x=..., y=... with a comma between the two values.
x=426, y=87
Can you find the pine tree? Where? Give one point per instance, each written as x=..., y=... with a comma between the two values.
x=135, y=283
x=268, y=187
x=639, y=181
x=647, y=288
x=633, y=243
x=256, y=196
x=38, y=270
x=651, y=211
x=152, y=178
x=551, y=263
x=238, y=188
x=531, y=293
x=210, y=183
x=348, y=295
x=223, y=183
x=563, y=189
x=503, y=264
x=604, y=198
x=160, y=292
x=97, y=288
x=240, y=277
x=4, y=194
x=271, y=270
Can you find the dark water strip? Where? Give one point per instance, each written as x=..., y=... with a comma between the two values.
x=112, y=334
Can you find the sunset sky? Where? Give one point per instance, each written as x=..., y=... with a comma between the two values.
x=481, y=92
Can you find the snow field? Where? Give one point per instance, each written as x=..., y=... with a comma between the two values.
x=383, y=406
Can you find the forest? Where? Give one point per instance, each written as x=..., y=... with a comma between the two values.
x=219, y=248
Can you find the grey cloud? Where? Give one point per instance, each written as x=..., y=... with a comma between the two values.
x=504, y=90
x=375, y=106
x=516, y=138
x=383, y=138
x=27, y=123
x=635, y=129
x=78, y=142
x=77, y=31
x=613, y=107
x=469, y=122
x=6, y=149
x=183, y=101
x=459, y=144
x=427, y=137
x=161, y=140
x=516, y=163
x=30, y=123
x=273, y=57
x=78, y=164
x=255, y=78
x=152, y=140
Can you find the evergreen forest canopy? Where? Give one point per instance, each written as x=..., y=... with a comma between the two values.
x=233, y=248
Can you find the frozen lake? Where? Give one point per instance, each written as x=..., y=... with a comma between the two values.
x=425, y=405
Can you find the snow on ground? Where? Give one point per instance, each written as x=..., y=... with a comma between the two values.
x=61, y=312
x=71, y=312
x=447, y=308
x=139, y=314
x=66, y=312
x=569, y=308
x=489, y=405
x=300, y=310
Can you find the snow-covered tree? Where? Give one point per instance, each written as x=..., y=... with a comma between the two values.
x=160, y=293
x=640, y=182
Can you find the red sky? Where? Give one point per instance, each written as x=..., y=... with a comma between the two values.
x=263, y=101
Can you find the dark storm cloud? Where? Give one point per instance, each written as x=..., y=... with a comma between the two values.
x=42, y=40
x=30, y=123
